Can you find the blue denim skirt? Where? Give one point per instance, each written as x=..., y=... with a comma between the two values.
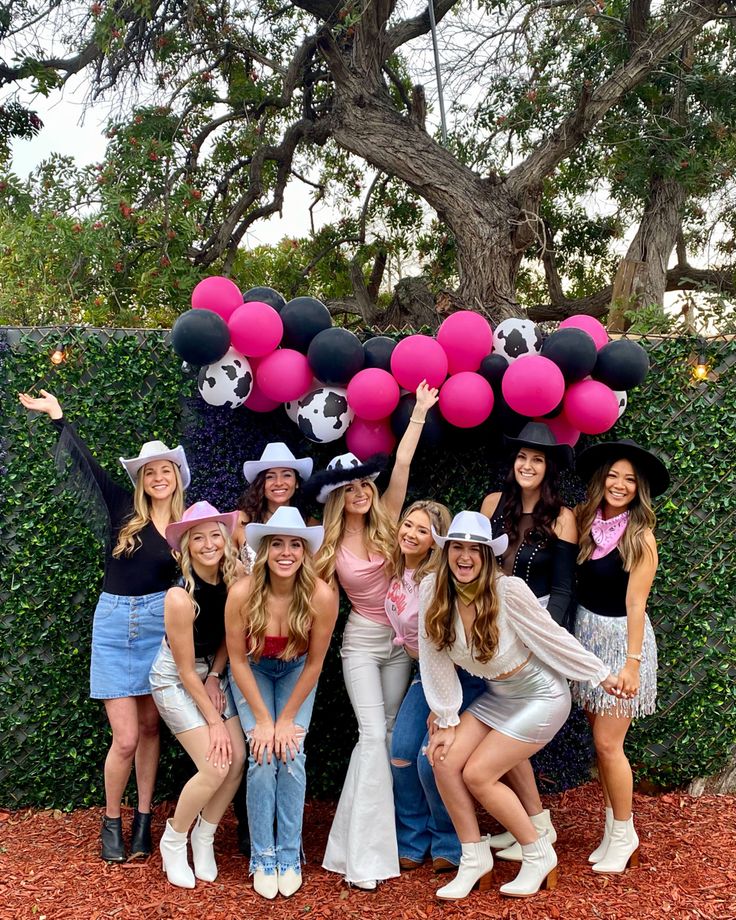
x=126, y=636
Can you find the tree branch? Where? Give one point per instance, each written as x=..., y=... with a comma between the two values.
x=408, y=29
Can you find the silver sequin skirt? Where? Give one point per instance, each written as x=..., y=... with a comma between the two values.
x=531, y=705
x=606, y=637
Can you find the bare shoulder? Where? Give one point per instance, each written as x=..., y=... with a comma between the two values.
x=178, y=604
x=324, y=598
x=490, y=503
x=240, y=589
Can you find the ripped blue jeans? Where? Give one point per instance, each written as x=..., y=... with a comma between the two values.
x=276, y=791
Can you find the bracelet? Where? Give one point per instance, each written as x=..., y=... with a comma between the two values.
x=635, y=657
x=214, y=674
x=417, y=421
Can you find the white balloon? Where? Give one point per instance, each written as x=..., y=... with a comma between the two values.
x=227, y=382
x=324, y=414
x=515, y=338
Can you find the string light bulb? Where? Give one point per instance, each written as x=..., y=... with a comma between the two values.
x=700, y=370
x=58, y=355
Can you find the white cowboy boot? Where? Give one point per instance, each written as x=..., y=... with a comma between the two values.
x=173, y=848
x=542, y=822
x=476, y=867
x=600, y=851
x=289, y=882
x=502, y=841
x=538, y=870
x=266, y=885
x=203, y=849
x=623, y=849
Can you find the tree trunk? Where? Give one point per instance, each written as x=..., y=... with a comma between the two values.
x=723, y=783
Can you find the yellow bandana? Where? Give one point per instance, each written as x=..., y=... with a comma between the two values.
x=466, y=591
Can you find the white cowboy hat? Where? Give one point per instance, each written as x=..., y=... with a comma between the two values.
x=157, y=450
x=342, y=470
x=285, y=522
x=277, y=455
x=473, y=527
x=199, y=513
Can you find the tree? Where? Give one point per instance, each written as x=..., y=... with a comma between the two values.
x=569, y=96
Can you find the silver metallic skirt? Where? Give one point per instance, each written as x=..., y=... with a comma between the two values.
x=607, y=638
x=531, y=705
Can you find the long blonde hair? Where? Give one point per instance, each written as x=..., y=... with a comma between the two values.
x=128, y=539
x=439, y=517
x=379, y=534
x=227, y=569
x=254, y=611
x=439, y=621
x=632, y=546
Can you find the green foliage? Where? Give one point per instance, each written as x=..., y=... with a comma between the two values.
x=122, y=388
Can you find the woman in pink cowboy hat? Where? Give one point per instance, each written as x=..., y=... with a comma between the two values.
x=191, y=691
x=129, y=618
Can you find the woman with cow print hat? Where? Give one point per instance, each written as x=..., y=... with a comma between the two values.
x=360, y=536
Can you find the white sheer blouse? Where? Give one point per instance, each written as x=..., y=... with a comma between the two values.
x=523, y=626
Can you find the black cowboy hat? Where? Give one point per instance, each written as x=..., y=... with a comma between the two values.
x=645, y=462
x=540, y=436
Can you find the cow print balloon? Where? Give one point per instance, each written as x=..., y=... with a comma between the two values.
x=514, y=338
x=324, y=414
x=227, y=382
x=623, y=401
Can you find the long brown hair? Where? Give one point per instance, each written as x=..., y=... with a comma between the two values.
x=227, y=569
x=632, y=545
x=439, y=621
x=254, y=612
x=128, y=536
x=379, y=535
x=254, y=503
x=439, y=517
x=548, y=506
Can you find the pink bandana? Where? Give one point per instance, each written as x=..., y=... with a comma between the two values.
x=606, y=534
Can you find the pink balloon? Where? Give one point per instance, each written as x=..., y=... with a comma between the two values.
x=467, y=338
x=373, y=393
x=591, y=406
x=533, y=385
x=284, y=375
x=562, y=429
x=466, y=399
x=255, y=329
x=589, y=324
x=219, y=294
x=418, y=358
x=258, y=401
x=366, y=437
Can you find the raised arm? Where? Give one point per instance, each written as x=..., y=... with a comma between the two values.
x=564, y=560
x=324, y=607
x=641, y=578
x=393, y=497
x=179, y=622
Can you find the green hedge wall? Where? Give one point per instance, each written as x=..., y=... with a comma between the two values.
x=123, y=388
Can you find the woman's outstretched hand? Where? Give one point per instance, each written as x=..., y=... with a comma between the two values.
x=427, y=396
x=220, y=751
x=46, y=402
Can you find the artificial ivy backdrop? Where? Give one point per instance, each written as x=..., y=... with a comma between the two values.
x=122, y=388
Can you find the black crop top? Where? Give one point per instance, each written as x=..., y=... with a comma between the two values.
x=602, y=585
x=546, y=564
x=151, y=567
x=209, y=623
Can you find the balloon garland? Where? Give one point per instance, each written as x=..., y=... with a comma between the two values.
x=261, y=352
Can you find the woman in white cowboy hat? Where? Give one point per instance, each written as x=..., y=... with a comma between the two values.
x=360, y=533
x=542, y=550
x=492, y=625
x=279, y=622
x=128, y=622
x=618, y=561
x=191, y=691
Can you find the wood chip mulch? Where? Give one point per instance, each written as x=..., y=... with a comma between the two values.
x=50, y=870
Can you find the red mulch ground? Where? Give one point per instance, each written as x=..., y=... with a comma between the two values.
x=49, y=868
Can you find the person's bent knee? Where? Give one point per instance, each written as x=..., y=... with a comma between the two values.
x=125, y=742
x=400, y=762
x=607, y=748
x=212, y=775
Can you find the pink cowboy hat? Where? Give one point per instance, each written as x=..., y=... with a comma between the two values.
x=195, y=514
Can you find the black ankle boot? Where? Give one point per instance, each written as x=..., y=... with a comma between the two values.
x=140, y=842
x=111, y=835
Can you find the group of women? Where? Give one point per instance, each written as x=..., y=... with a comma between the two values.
x=462, y=635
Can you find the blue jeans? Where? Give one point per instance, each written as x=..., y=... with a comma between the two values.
x=276, y=791
x=422, y=822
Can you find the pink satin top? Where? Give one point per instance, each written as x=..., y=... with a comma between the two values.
x=365, y=583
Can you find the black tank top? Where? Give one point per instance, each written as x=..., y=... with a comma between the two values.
x=602, y=585
x=209, y=624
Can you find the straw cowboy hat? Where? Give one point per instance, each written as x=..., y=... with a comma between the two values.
x=473, y=527
x=199, y=513
x=277, y=455
x=285, y=522
x=157, y=450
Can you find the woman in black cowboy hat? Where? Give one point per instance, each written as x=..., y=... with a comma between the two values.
x=542, y=550
x=617, y=563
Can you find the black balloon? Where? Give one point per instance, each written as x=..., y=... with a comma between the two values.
x=493, y=367
x=265, y=295
x=573, y=351
x=433, y=428
x=505, y=419
x=303, y=318
x=621, y=364
x=378, y=352
x=200, y=337
x=335, y=356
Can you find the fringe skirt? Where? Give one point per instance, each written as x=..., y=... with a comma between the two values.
x=606, y=637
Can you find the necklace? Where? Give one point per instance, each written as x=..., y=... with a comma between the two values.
x=359, y=530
